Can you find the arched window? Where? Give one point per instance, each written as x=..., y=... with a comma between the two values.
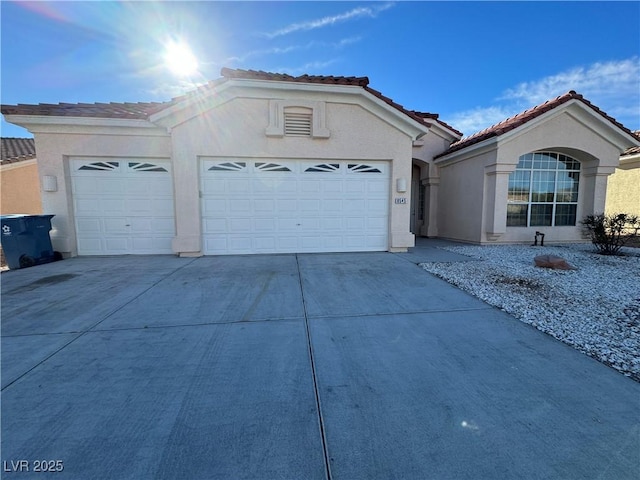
x=543, y=191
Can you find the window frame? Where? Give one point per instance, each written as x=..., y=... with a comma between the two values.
x=540, y=169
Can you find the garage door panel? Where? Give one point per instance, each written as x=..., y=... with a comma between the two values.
x=264, y=205
x=311, y=186
x=241, y=205
x=109, y=186
x=330, y=206
x=376, y=205
x=376, y=223
x=308, y=206
x=307, y=224
x=376, y=242
x=90, y=207
x=355, y=241
x=214, y=206
x=354, y=224
x=331, y=224
x=264, y=225
x=93, y=246
x=287, y=205
x=215, y=225
x=89, y=226
x=122, y=207
x=299, y=210
x=355, y=186
x=287, y=224
x=215, y=185
x=240, y=225
x=355, y=206
x=332, y=187
x=334, y=243
x=377, y=187
x=164, y=226
x=117, y=245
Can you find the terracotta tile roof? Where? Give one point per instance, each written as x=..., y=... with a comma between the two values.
x=632, y=150
x=99, y=110
x=144, y=109
x=434, y=116
x=283, y=77
x=524, y=117
x=17, y=149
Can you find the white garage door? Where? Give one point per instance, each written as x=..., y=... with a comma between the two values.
x=123, y=206
x=287, y=206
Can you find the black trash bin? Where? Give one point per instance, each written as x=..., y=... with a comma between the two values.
x=26, y=241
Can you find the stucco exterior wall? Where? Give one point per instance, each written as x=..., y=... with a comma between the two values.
x=461, y=198
x=623, y=189
x=598, y=158
x=20, y=188
x=573, y=131
x=237, y=129
x=56, y=149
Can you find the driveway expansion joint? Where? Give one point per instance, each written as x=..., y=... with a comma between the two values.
x=321, y=425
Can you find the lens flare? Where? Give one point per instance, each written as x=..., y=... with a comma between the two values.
x=180, y=59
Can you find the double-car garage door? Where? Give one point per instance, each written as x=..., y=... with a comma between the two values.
x=247, y=206
x=283, y=206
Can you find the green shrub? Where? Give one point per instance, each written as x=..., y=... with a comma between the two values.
x=609, y=233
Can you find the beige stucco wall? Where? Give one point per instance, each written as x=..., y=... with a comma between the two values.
x=461, y=198
x=20, y=188
x=237, y=129
x=571, y=130
x=623, y=188
x=361, y=128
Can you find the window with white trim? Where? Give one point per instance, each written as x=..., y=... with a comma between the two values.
x=543, y=191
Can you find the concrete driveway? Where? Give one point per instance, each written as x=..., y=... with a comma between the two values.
x=329, y=366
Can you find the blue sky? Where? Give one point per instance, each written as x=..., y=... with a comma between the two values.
x=474, y=63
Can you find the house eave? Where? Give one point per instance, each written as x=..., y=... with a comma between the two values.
x=68, y=124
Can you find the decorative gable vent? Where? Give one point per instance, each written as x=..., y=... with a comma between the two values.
x=297, y=122
x=297, y=118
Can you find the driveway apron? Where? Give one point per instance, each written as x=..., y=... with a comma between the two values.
x=327, y=366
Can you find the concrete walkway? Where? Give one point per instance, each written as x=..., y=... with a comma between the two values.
x=329, y=366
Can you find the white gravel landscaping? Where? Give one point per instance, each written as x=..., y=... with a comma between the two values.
x=595, y=309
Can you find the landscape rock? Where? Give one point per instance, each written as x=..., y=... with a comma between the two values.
x=552, y=261
x=595, y=309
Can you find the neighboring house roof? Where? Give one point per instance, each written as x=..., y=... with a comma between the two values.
x=99, y=110
x=524, y=117
x=144, y=110
x=632, y=150
x=17, y=149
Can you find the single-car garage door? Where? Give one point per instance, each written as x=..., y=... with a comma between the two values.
x=287, y=206
x=123, y=206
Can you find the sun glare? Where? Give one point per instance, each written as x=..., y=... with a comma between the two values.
x=180, y=59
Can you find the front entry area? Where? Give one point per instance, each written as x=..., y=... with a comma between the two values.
x=294, y=206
